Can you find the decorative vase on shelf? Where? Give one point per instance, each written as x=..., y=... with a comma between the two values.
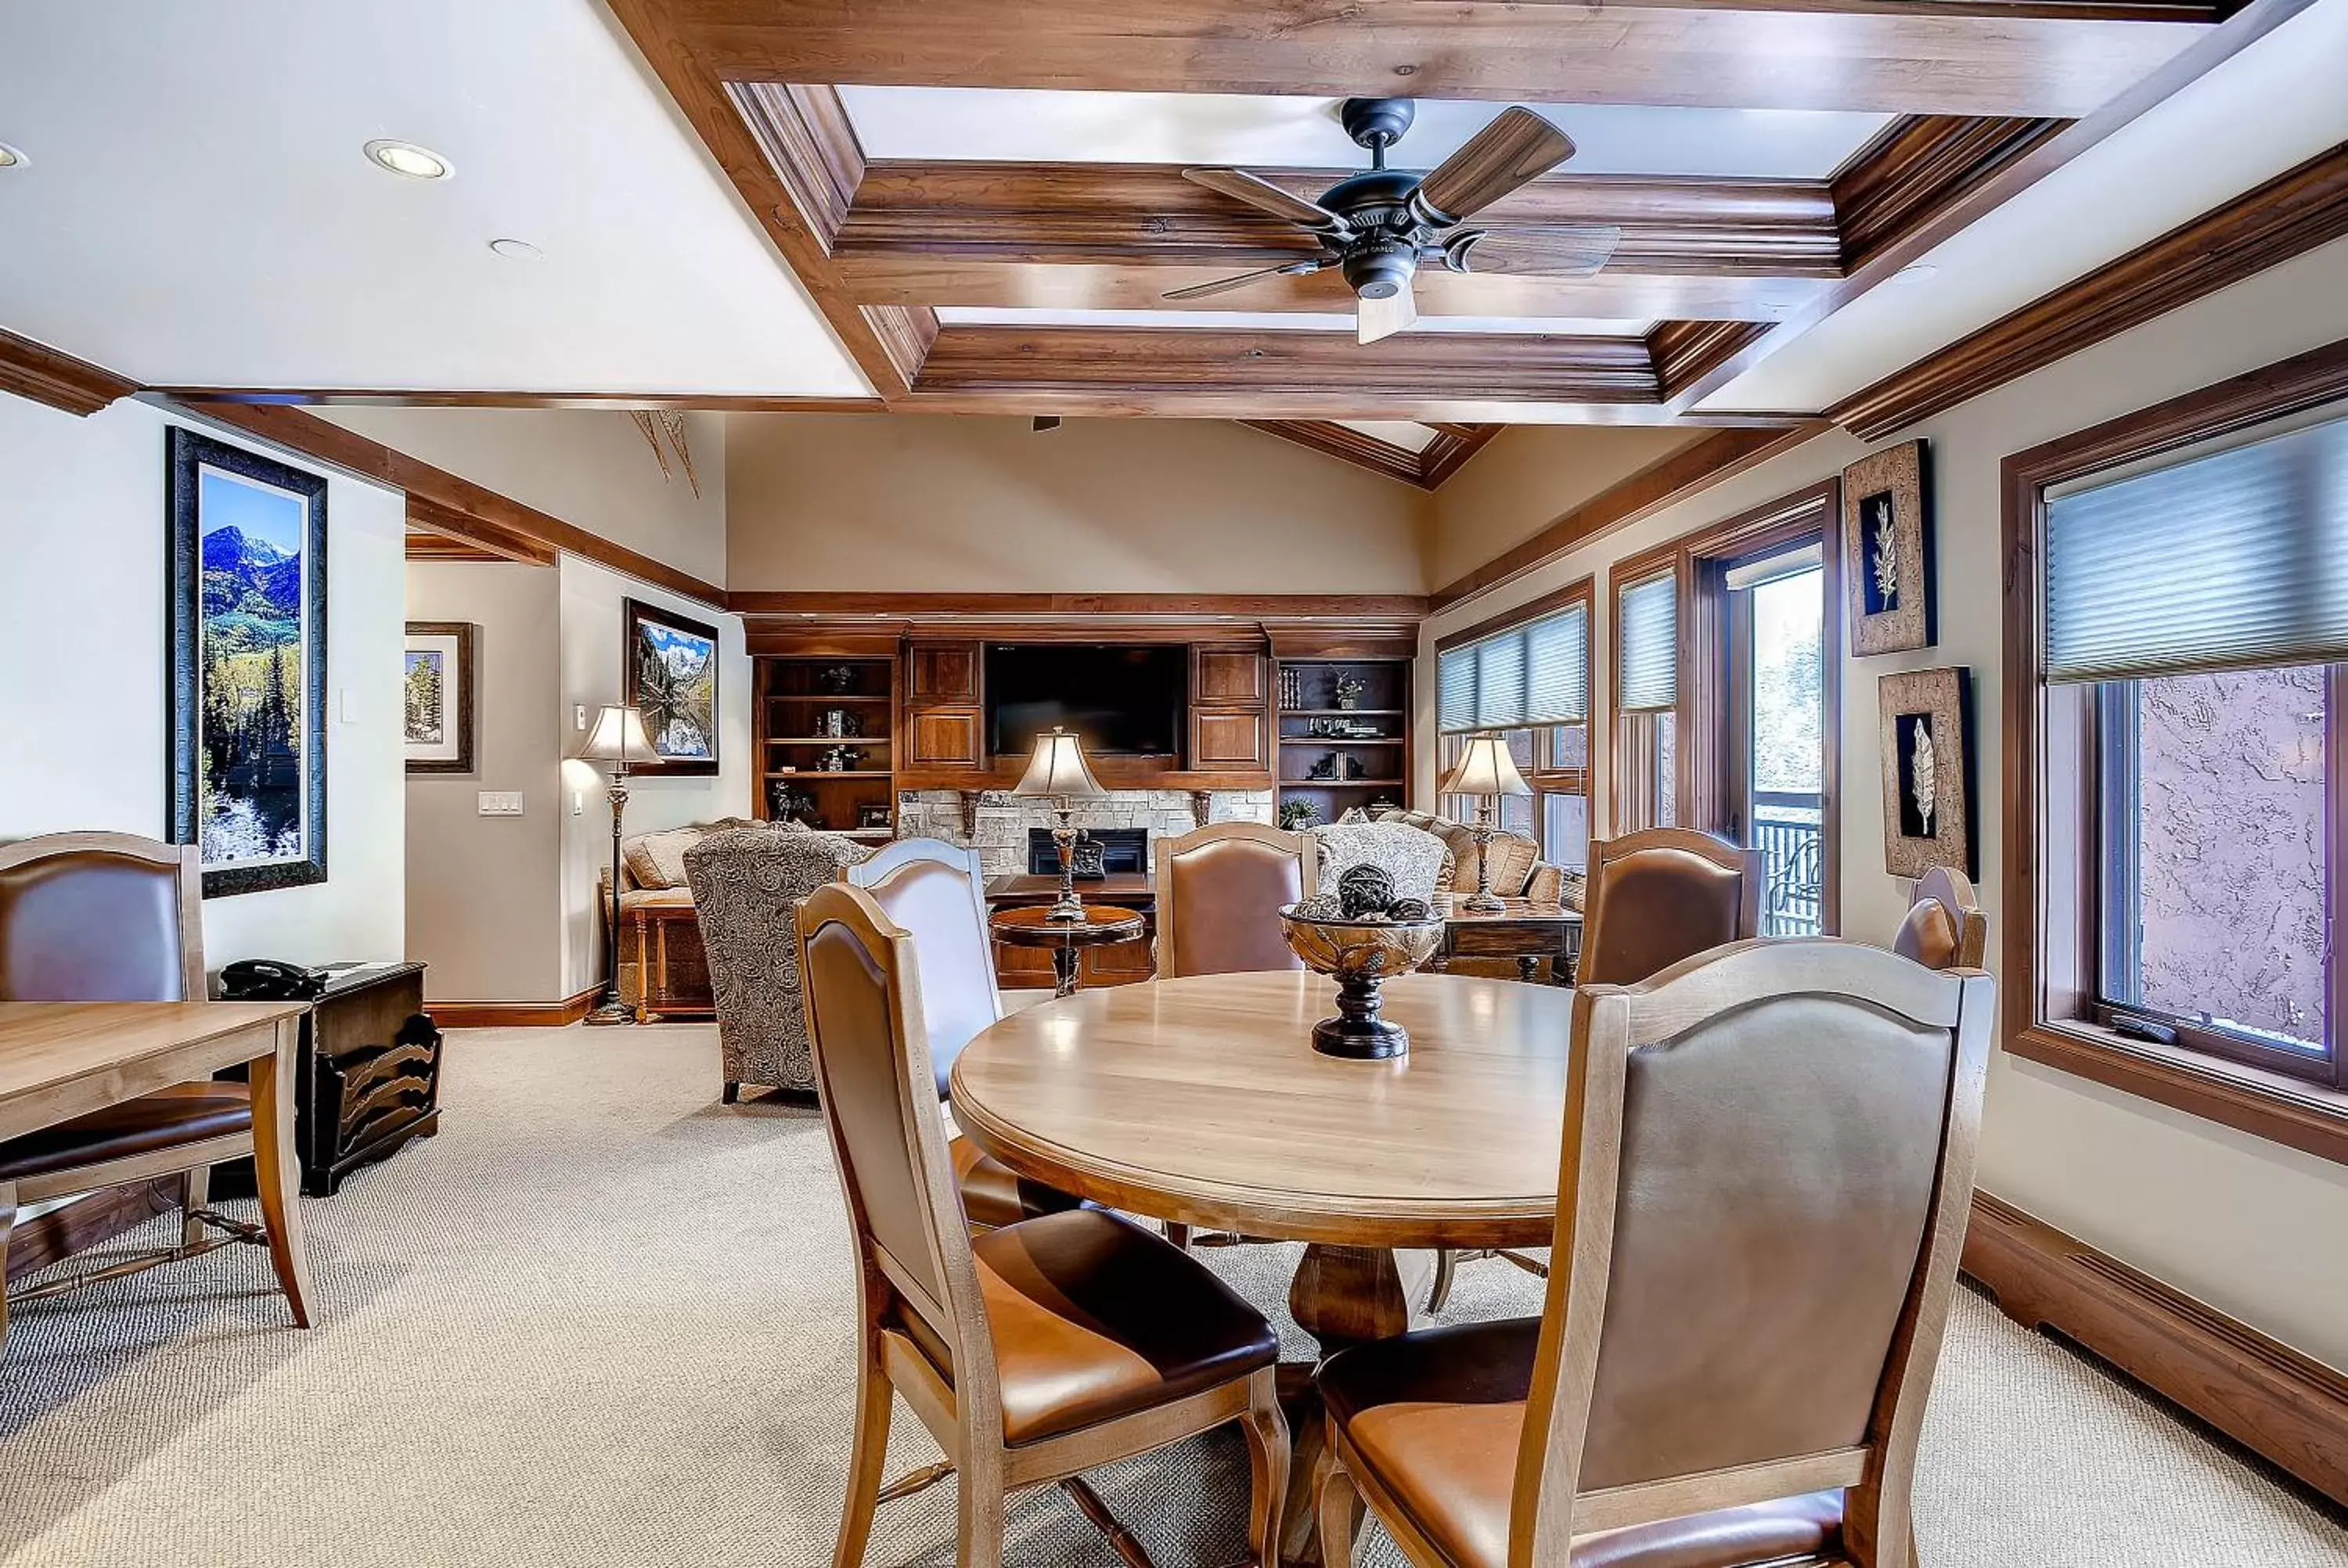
x=1349, y=689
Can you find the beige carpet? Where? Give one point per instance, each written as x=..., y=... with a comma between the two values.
x=603, y=1320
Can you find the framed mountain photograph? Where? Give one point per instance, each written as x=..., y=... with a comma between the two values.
x=436, y=689
x=1926, y=718
x=671, y=679
x=247, y=634
x=1887, y=530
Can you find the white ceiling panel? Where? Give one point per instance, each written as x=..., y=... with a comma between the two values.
x=1282, y=321
x=2275, y=104
x=196, y=207
x=1399, y=433
x=1037, y=126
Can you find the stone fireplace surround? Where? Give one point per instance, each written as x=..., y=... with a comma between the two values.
x=997, y=821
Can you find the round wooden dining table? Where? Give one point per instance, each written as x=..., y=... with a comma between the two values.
x=1202, y=1101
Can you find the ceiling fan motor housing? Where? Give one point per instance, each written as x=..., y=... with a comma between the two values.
x=1380, y=267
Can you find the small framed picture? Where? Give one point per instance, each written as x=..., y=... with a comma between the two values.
x=873, y=817
x=1887, y=530
x=671, y=677
x=438, y=692
x=1926, y=719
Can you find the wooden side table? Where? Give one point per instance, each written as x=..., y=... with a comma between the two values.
x=1033, y=927
x=1537, y=936
x=663, y=990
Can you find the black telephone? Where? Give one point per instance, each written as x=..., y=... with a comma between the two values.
x=270, y=980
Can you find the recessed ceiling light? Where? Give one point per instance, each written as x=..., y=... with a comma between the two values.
x=408, y=160
x=516, y=249
x=12, y=158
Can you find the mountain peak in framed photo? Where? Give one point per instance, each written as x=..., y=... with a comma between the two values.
x=671, y=679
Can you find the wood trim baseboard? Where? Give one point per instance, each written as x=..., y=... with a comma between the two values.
x=90, y=1220
x=514, y=1015
x=2286, y=1406
x=50, y=376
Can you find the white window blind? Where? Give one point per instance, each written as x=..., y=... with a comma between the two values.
x=1537, y=673
x=2228, y=561
x=1647, y=636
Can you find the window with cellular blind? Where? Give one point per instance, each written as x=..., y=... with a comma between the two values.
x=1647, y=636
x=2231, y=561
x=1537, y=673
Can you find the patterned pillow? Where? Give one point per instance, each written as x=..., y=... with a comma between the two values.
x=1414, y=858
x=1513, y=858
x=657, y=859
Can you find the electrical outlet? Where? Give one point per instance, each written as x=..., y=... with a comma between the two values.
x=501, y=803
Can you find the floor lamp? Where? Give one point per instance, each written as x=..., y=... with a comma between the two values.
x=1486, y=772
x=619, y=739
x=1057, y=771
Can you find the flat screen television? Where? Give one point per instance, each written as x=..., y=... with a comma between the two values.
x=1123, y=701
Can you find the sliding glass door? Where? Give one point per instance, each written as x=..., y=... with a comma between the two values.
x=1778, y=736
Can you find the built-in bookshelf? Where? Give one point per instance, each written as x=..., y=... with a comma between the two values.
x=827, y=735
x=1347, y=720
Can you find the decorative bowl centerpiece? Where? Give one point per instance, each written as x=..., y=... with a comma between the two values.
x=1361, y=937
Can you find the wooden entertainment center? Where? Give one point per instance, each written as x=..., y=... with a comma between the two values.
x=912, y=694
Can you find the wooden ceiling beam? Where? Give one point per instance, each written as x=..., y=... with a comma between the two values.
x=2060, y=57
x=57, y=379
x=350, y=398
x=1455, y=376
x=1116, y=214
x=1347, y=446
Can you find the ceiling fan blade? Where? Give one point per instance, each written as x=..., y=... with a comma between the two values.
x=1571, y=252
x=1517, y=148
x=1264, y=196
x=1375, y=319
x=1240, y=280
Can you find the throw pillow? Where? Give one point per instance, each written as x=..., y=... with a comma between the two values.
x=657, y=859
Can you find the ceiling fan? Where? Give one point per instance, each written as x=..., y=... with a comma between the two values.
x=1380, y=226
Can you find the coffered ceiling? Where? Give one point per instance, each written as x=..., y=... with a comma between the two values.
x=985, y=196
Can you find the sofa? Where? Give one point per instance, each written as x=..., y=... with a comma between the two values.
x=652, y=879
x=1517, y=869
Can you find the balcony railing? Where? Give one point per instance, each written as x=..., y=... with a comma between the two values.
x=1790, y=829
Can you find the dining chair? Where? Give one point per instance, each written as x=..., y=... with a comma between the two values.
x=1033, y=1353
x=1651, y=899
x=1945, y=927
x=113, y=916
x=1220, y=889
x=937, y=892
x=1766, y=1171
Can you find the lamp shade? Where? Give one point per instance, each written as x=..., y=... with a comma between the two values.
x=1058, y=768
x=618, y=737
x=1486, y=768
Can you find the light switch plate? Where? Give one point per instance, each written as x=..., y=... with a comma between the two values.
x=501, y=803
x=578, y=715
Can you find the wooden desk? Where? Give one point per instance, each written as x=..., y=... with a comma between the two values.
x=63, y=1059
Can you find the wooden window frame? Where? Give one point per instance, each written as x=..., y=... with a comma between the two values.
x=1705, y=787
x=2049, y=860
x=1545, y=775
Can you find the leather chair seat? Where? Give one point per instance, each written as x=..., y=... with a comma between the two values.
x=183, y=1114
x=1435, y=1417
x=1094, y=1318
x=994, y=1196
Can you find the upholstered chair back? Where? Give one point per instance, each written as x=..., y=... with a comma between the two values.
x=1659, y=895
x=1412, y=856
x=1220, y=889
x=877, y=1086
x=1945, y=927
x=1767, y=1163
x=936, y=892
x=100, y=917
x=747, y=882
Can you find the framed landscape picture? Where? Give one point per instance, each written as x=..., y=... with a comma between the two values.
x=1926, y=718
x=247, y=634
x=671, y=679
x=1887, y=531
x=437, y=687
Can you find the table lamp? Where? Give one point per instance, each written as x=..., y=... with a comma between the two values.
x=1487, y=772
x=1057, y=772
x=618, y=738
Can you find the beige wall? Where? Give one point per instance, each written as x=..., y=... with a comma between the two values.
x=591, y=467
x=82, y=671
x=1527, y=477
x=484, y=893
x=2250, y=1227
x=1099, y=505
